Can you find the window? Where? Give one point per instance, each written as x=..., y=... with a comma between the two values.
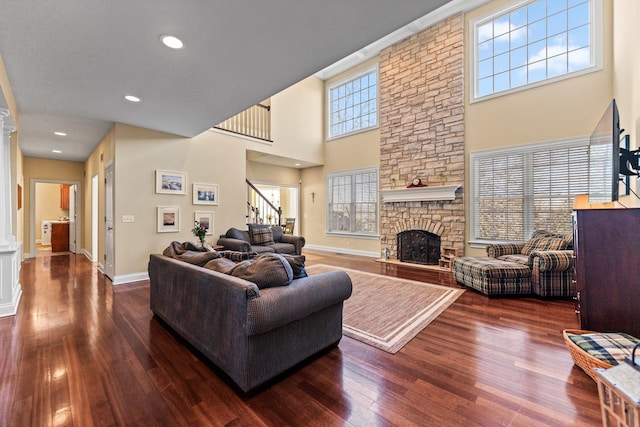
x=353, y=202
x=535, y=42
x=521, y=189
x=353, y=104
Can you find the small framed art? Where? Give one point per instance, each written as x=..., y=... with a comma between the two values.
x=171, y=182
x=205, y=218
x=205, y=194
x=168, y=219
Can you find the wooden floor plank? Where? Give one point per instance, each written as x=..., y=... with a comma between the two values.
x=82, y=352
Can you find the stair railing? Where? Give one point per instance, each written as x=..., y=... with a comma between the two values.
x=259, y=209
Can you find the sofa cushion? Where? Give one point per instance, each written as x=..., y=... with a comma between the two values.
x=266, y=270
x=221, y=265
x=297, y=265
x=518, y=258
x=260, y=234
x=544, y=244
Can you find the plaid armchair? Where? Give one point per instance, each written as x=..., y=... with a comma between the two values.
x=550, y=258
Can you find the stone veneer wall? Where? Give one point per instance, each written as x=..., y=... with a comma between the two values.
x=422, y=130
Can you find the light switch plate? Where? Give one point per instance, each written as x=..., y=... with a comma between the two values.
x=127, y=218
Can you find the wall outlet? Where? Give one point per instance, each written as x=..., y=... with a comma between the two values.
x=127, y=218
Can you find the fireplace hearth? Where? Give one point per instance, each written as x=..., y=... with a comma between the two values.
x=418, y=247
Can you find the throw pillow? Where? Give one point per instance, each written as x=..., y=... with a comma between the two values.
x=544, y=244
x=297, y=265
x=234, y=233
x=277, y=233
x=197, y=258
x=260, y=234
x=266, y=270
x=221, y=265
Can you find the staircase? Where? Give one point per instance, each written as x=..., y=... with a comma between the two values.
x=259, y=209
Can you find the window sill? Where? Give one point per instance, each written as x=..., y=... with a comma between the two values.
x=353, y=235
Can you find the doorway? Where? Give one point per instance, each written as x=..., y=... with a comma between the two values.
x=286, y=197
x=94, y=218
x=109, y=255
x=48, y=205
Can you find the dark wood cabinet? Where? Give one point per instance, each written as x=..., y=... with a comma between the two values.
x=607, y=269
x=59, y=236
x=64, y=196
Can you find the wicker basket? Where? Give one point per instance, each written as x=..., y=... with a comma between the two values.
x=581, y=358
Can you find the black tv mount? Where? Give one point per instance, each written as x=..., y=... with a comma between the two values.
x=629, y=162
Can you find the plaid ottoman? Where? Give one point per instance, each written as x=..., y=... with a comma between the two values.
x=492, y=276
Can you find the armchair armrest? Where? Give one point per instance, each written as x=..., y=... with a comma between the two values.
x=297, y=241
x=497, y=250
x=232, y=244
x=552, y=260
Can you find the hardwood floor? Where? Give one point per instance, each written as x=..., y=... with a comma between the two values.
x=81, y=352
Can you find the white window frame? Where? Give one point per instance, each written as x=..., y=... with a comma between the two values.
x=596, y=52
x=527, y=150
x=352, y=173
x=350, y=78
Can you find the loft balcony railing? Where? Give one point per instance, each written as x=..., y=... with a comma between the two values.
x=254, y=122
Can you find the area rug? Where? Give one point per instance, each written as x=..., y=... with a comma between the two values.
x=387, y=312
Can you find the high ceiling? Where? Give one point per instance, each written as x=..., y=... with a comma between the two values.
x=71, y=62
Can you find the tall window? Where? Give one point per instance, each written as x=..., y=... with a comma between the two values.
x=521, y=189
x=533, y=42
x=353, y=202
x=353, y=104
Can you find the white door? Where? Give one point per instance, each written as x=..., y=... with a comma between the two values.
x=72, y=217
x=109, y=267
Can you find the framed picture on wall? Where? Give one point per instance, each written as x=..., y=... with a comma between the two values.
x=205, y=194
x=168, y=219
x=171, y=182
x=205, y=218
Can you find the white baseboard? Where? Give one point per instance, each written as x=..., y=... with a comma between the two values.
x=343, y=251
x=87, y=254
x=129, y=278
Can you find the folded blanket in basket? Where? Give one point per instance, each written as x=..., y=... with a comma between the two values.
x=607, y=347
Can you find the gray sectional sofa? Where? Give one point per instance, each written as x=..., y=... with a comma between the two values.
x=261, y=238
x=251, y=334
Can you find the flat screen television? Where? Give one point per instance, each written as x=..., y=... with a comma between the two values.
x=604, y=157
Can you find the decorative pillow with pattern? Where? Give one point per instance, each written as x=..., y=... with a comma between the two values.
x=266, y=270
x=260, y=234
x=544, y=244
x=297, y=265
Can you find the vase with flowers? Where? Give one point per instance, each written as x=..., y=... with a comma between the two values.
x=199, y=230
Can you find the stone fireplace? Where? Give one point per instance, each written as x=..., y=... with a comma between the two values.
x=418, y=247
x=422, y=136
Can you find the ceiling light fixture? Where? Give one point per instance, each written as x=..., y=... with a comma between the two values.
x=60, y=133
x=172, y=41
x=132, y=98
x=56, y=151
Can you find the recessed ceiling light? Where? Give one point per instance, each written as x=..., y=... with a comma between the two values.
x=60, y=133
x=297, y=164
x=56, y=151
x=132, y=98
x=172, y=41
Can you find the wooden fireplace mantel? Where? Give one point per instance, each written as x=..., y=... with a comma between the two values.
x=419, y=194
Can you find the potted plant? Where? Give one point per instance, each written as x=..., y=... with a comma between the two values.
x=199, y=230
